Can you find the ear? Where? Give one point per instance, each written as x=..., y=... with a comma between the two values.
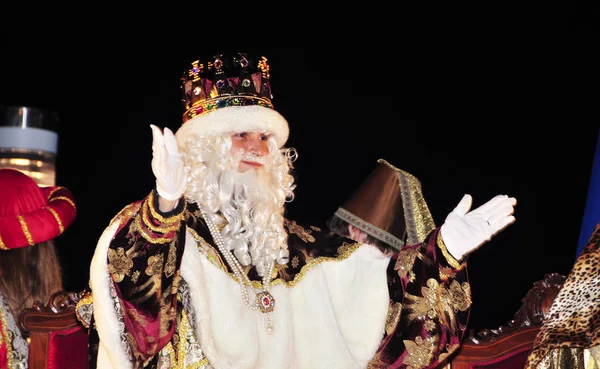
x=356, y=234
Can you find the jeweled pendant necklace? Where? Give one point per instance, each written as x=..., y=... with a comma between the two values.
x=263, y=301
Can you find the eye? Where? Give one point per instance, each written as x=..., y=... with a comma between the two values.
x=240, y=134
x=264, y=137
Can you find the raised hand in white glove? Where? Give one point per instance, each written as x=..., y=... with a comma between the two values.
x=464, y=231
x=167, y=164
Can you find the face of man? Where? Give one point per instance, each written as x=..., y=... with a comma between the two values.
x=252, y=148
x=242, y=179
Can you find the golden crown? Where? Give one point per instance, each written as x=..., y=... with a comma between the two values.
x=223, y=82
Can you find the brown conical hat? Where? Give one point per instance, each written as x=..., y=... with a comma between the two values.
x=389, y=206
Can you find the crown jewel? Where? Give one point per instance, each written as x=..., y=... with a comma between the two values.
x=224, y=82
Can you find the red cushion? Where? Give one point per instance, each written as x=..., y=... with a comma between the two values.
x=513, y=360
x=68, y=349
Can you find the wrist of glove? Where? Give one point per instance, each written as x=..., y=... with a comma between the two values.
x=465, y=231
x=167, y=165
x=169, y=192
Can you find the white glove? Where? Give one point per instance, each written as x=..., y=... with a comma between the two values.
x=465, y=231
x=167, y=165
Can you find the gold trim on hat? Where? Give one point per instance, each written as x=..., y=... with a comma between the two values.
x=60, y=225
x=2, y=245
x=419, y=222
x=63, y=198
x=376, y=232
x=25, y=230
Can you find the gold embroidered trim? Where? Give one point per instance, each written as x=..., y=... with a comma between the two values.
x=393, y=317
x=214, y=257
x=87, y=299
x=172, y=219
x=185, y=324
x=449, y=258
x=418, y=218
x=170, y=227
x=60, y=225
x=57, y=188
x=65, y=199
x=9, y=354
x=25, y=230
x=2, y=245
x=347, y=251
x=148, y=237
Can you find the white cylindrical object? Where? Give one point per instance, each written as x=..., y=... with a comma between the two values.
x=29, y=138
x=29, y=142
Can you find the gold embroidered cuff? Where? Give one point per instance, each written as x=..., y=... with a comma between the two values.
x=449, y=258
x=164, y=228
x=176, y=217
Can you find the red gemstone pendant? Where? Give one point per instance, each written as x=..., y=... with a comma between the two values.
x=265, y=301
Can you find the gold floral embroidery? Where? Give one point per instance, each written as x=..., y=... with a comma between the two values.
x=423, y=307
x=299, y=231
x=171, y=257
x=430, y=325
x=315, y=228
x=119, y=264
x=295, y=262
x=451, y=349
x=437, y=301
x=166, y=318
x=155, y=263
x=451, y=300
x=420, y=352
x=446, y=273
x=135, y=276
x=405, y=262
x=176, y=282
x=460, y=296
x=345, y=248
x=393, y=317
x=133, y=314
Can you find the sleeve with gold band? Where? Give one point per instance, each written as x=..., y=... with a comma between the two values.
x=430, y=299
x=144, y=260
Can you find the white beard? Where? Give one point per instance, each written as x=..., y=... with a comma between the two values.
x=253, y=209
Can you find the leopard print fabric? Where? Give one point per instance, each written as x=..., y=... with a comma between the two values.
x=573, y=321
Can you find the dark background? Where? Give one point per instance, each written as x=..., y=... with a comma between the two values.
x=483, y=116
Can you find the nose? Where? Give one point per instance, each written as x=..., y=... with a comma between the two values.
x=257, y=146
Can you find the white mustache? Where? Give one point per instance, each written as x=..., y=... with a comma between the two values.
x=252, y=158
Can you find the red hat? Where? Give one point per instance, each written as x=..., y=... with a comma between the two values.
x=30, y=214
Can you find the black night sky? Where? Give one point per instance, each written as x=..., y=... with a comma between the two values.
x=479, y=118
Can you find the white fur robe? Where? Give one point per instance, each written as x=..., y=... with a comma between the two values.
x=334, y=317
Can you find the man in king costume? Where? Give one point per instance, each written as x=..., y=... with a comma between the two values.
x=207, y=272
